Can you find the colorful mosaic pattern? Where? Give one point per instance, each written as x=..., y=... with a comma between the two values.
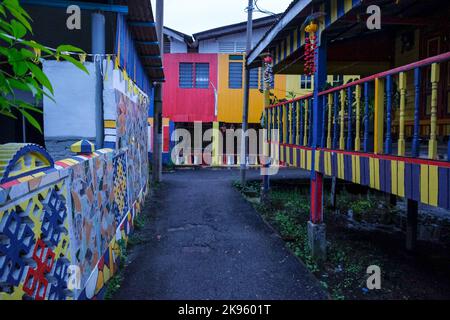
x=34, y=246
x=73, y=215
x=22, y=159
x=120, y=204
x=132, y=134
x=93, y=221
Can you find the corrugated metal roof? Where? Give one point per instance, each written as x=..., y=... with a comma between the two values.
x=234, y=28
x=141, y=11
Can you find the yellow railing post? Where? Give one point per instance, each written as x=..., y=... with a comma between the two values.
x=305, y=135
x=432, y=146
x=330, y=109
x=341, y=136
x=401, y=134
x=358, y=118
x=379, y=116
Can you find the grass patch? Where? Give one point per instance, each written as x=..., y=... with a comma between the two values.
x=343, y=275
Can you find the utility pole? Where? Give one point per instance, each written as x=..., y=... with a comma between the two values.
x=244, y=139
x=157, y=112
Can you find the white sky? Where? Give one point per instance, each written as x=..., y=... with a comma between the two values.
x=191, y=16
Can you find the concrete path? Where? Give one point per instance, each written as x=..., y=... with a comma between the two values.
x=204, y=241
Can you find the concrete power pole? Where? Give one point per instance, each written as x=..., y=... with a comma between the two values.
x=244, y=140
x=157, y=112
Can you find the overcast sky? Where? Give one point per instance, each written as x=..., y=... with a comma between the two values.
x=191, y=16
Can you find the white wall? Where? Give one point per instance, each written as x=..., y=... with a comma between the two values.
x=72, y=114
x=212, y=45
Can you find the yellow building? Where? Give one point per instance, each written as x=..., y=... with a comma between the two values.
x=300, y=85
x=231, y=92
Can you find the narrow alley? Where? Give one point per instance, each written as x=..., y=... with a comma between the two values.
x=206, y=242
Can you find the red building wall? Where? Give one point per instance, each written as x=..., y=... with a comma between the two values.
x=188, y=105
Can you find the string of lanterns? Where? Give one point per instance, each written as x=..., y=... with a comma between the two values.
x=310, y=48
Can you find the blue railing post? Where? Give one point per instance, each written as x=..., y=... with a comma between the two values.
x=310, y=124
x=294, y=122
x=388, y=141
x=416, y=141
x=323, y=142
x=350, y=115
x=448, y=150
x=302, y=121
x=335, y=120
x=366, y=117
x=280, y=115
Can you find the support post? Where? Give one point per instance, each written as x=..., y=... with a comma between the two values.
x=316, y=226
x=244, y=139
x=411, y=224
x=157, y=113
x=268, y=158
x=98, y=47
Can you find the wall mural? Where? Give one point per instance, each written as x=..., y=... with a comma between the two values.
x=34, y=246
x=92, y=216
x=132, y=133
x=120, y=203
x=69, y=222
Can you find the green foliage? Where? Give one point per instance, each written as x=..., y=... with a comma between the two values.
x=291, y=95
x=113, y=286
x=20, y=62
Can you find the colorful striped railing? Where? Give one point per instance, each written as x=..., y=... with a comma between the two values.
x=350, y=150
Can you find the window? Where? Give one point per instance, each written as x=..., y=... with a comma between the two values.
x=305, y=82
x=232, y=46
x=186, y=78
x=235, y=75
x=187, y=71
x=241, y=47
x=338, y=81
x=236, y=57
x=254, y=77
x=226, y=47
x=202, y=75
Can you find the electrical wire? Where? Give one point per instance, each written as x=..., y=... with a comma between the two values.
x=258, y=9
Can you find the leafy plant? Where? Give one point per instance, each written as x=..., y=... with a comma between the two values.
x=290, y=95
x=20, y=62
